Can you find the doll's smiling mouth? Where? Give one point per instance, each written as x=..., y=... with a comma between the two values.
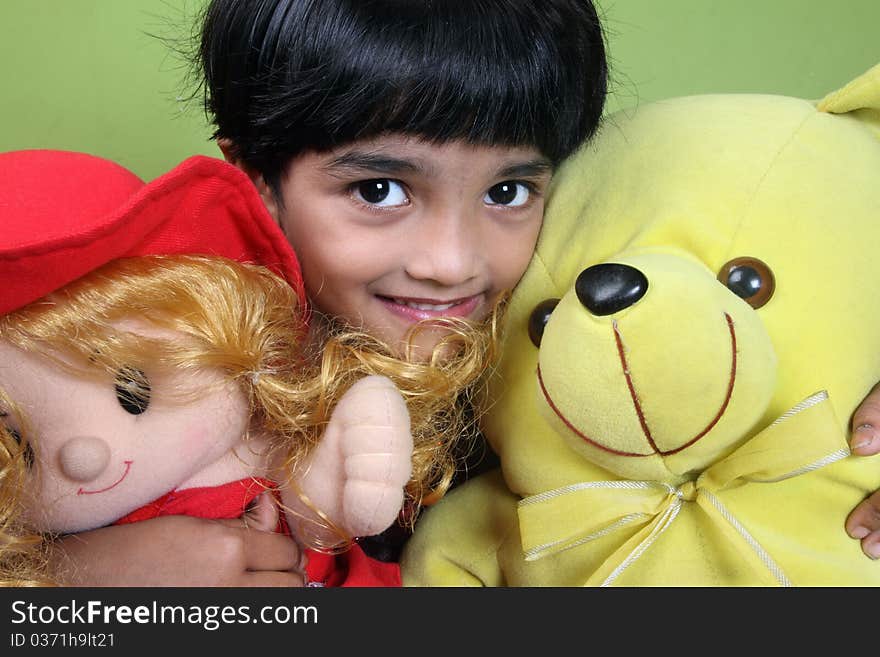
x=82, y=491
x=637, y=406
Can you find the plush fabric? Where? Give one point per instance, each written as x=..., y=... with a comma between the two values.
x=67, y=213
x=687, y=437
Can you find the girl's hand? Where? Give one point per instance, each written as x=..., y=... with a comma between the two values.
x=180, y=551
x=863, y=522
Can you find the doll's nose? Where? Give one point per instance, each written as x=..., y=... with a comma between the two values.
x=84, y=458
x=610, y=287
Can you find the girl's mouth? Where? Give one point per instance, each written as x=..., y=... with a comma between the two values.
x=417, y=309
x=82, y=491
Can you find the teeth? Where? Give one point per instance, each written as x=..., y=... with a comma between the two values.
x=424, y=306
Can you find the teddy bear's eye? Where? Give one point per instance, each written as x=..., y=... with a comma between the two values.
x=750, y=279
x=538, y=319
x=132, y=390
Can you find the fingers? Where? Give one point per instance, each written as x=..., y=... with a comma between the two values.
x=263, y=513
x=179, y=551
x=264, y=552
x=865, y=440
x=269, y=579
x=256, y=550
x=863, y=523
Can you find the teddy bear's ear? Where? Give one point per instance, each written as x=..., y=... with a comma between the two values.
x=861, y=93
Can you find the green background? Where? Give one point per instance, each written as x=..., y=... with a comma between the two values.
x=101, y=75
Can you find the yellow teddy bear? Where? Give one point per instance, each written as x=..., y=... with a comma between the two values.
x=683, y=357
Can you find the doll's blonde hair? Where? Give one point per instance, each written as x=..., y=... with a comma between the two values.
x=249, y=323
x=24, y=553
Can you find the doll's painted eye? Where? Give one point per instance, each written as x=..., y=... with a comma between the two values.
x=538, y=320
x=750, y=279
x=16, y=436
x=132, y=390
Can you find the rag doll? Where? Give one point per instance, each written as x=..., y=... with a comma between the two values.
x=152, y=362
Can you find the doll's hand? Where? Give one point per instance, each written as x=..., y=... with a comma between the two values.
x=358, y=471
x=178, y=551
x=863, y=522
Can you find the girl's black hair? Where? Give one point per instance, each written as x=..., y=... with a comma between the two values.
x=286, y=76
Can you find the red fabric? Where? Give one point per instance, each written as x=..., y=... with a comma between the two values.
x=352, y=568
x=213, y=502
x=64, y=214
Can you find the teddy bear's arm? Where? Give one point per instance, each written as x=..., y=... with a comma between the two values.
x=457, y=541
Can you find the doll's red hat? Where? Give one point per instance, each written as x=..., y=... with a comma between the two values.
x=64, y=214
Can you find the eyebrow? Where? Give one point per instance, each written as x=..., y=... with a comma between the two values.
x=531, y=169
x=360, y=161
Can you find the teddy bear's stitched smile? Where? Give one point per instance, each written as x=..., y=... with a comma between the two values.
x=637, y=406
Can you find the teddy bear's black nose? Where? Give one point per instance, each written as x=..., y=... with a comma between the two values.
x=610, y=287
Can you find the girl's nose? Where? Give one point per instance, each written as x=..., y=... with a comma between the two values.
x=447, y=250
x=84, y=458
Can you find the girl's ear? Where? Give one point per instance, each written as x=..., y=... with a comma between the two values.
x=227, y=147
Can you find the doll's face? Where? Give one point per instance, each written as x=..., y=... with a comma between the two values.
x=393, y=230
x=101, y=452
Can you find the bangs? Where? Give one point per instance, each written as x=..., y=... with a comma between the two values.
x=459, y=84
x=323, y=74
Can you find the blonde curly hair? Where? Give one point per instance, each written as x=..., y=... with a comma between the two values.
x=247, y=322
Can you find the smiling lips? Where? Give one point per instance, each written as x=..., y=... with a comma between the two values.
x=82, y=491
x=414, y=309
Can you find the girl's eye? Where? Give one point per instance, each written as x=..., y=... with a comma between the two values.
x=132, y=390
x=508, y=193
x=380, y=192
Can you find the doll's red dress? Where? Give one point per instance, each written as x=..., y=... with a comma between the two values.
x=350, y=568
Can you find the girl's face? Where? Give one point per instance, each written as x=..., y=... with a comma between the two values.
x=393, y=230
